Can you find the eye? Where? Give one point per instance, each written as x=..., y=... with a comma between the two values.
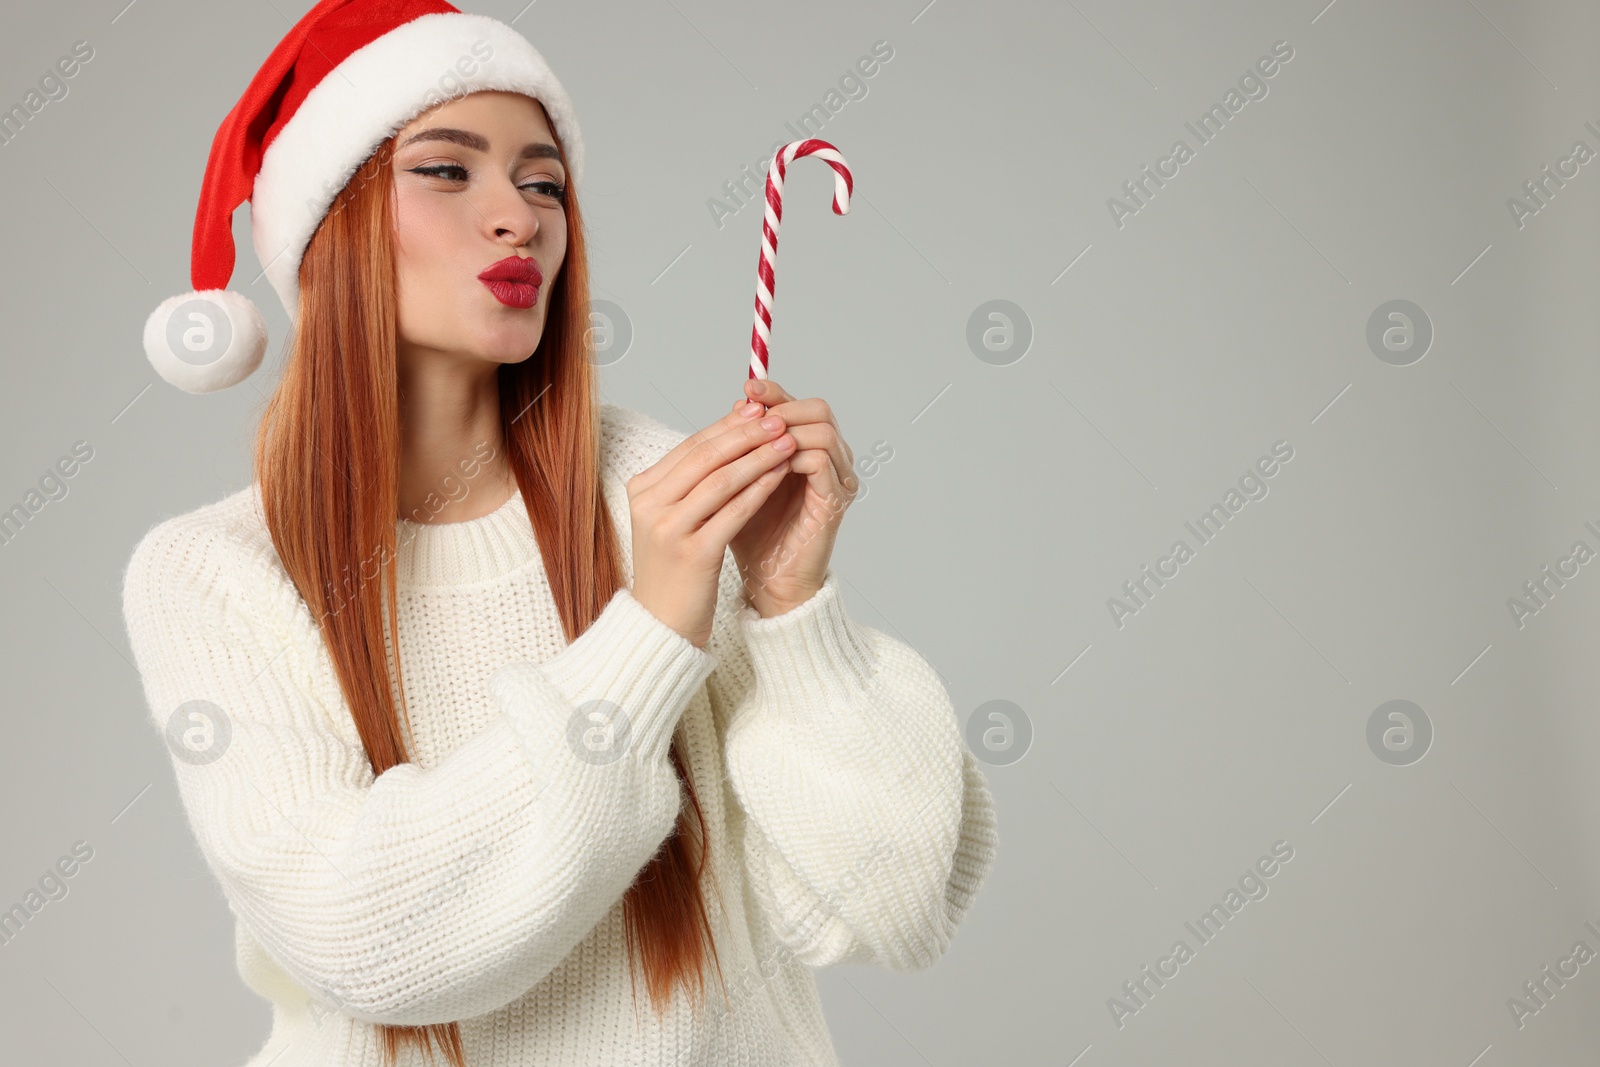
x=436, y=171
x=449, y=172
x=551, y=189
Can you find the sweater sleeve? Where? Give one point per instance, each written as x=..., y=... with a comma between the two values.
x=868, y=824
x=419, y=895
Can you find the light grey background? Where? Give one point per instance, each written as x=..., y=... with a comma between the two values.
x=1167, y=355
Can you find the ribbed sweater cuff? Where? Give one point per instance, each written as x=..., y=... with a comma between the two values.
x=631, y=658
x=809, y=650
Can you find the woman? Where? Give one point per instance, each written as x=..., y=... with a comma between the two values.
x=608, y=757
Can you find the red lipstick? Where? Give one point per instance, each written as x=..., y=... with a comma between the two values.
x=514, y=281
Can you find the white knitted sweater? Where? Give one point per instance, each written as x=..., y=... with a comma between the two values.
x=482, y=882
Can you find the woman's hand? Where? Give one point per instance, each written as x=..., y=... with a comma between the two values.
x=688, y=506
x=783, y=550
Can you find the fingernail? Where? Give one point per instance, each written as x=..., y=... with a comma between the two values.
x=773, y=423
x=761, y=386
x=750, y=409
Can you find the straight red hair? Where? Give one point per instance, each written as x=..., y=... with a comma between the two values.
x=327, y=459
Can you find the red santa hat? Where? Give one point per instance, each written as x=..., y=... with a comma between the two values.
x=345, y=77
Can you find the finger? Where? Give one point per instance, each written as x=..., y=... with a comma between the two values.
x=712, y=492
x=730, y=422
x=726, y=522
x=766, y=391
x=823, y=437
x=715, y=470
x=823, y=478
x=813, y=409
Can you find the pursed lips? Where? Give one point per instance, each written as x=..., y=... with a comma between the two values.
x=514, y=281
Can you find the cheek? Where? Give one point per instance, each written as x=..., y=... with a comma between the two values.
x=425, y=235
x=428, y=253
x=551, y=245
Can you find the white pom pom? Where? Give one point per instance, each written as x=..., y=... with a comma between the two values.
x=205, y=341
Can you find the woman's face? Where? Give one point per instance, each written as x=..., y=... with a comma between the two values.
x=477, y=180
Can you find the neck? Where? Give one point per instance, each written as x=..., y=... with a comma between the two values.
x=452, y=452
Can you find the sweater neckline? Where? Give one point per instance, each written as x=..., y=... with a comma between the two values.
x=471, y=550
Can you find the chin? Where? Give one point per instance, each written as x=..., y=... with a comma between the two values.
x=517, y=356
x=510, y=346
x=495, y=330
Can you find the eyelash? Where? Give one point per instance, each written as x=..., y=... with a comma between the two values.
x=560, y=190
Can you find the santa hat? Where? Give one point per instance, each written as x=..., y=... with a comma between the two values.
x=345, y=77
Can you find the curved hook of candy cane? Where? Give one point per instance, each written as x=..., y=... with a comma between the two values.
x=842, y=181
x=843, y=184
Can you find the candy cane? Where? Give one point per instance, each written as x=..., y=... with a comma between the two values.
x=761, y=333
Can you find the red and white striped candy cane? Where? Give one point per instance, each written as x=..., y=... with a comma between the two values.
x=761, y=334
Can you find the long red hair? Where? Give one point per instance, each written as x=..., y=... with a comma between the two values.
x=327, y=460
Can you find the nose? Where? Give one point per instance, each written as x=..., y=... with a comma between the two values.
x=508, y=215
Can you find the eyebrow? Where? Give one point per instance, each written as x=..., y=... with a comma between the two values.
x=468, y=139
